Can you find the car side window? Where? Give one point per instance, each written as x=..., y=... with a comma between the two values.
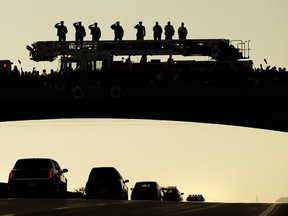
x=120, y=177
x=57, y=167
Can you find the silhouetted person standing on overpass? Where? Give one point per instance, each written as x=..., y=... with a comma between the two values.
x=80, y=31
x=61, y=31
x=182, y=32
x=118, y=31
x=157, y=31
x=141, y=31
x=95, y=31
x=169, y=31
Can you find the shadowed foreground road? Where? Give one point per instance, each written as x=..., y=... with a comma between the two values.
x=71, y=207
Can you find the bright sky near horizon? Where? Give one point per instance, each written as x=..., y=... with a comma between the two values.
x=263, y=22
x=224, y=163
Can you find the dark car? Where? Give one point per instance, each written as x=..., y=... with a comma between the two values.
x=172, y=194
x=37, y=176
x=106, y=183
x=195, y=198
x=147, y=190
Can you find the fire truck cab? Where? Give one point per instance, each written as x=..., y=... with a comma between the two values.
x=5, y=66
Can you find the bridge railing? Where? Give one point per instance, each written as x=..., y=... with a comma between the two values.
x=243, y=47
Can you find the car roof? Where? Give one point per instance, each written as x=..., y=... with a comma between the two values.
x=146, y=182
x=152, y=183
x=104, y=168
x=169, y=189
x=196, y=195
x=35, y=159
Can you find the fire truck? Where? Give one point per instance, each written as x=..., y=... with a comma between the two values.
x=93, y=56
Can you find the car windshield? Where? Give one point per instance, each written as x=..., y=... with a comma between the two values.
x=33, y=164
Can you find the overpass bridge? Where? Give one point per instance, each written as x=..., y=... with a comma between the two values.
x=91, y=84
x=256, y=112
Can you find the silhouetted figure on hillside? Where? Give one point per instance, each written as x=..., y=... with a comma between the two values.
x=61, y=31
x=80, y=32
x=141, y=31
x=118, y=31
x=95, y=31
x=157, y=31
x=182, y=32
x=169, y=31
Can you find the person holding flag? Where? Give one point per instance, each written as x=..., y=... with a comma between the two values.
x=20, y=65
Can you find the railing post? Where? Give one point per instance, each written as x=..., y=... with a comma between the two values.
x=248, y=47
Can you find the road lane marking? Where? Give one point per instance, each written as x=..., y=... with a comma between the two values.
x=62, y=208
x=268, y=210
x=67, y=207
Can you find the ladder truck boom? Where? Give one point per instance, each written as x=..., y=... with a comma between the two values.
x=218, y=49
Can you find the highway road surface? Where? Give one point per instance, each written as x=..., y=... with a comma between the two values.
x=71, y=207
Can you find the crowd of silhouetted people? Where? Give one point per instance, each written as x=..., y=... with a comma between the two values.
x=95, y=31
x=124, y=72
x=266, y=75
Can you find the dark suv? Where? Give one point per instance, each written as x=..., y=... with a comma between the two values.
x=106, y=183
x=37, y=176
